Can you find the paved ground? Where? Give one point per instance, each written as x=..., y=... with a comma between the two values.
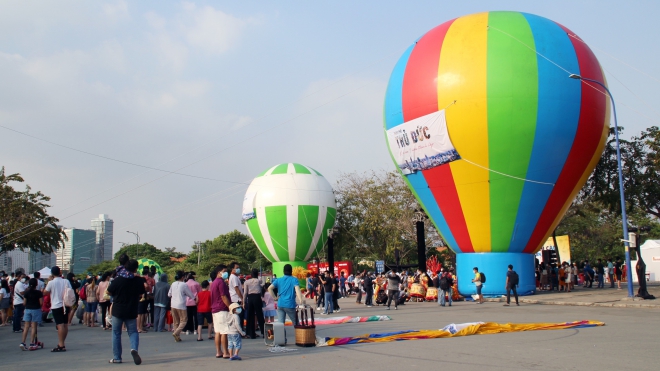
x=628, y=341
x=606, y=297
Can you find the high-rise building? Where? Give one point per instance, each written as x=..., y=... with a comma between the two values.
x=79, y=252
x=13, y=260
x=103, y=226
x=38, y=261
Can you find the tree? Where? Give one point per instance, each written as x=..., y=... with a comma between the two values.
x=640, y=158
x=375, y=212
x=235, y=244
x=147, y=251
x=593, y=221
x=224, y=249
x=24, y=220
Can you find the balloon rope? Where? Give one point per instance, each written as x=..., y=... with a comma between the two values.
x=532, y=49
x=598, y=89
x=507, y=175
x=573, y=36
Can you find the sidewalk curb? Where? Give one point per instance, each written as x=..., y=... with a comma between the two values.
x=579, y=304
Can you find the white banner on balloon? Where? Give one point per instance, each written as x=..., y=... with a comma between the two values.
x=248, y=206
x=422, y=143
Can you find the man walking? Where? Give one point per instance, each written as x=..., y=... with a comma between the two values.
x=393, y=281
x=220, y=302
x=478, y=283
x=56, y=287
x=446, y=282
x=126, y=294
x=179, y=291
x=512, y=281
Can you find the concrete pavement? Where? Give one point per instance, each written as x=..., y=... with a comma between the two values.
x=592, y=297
x=629, y=340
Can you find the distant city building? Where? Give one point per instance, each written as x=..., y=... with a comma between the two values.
x=39, y=261
x=79, y=252
x=103, y=226
x=12, y=260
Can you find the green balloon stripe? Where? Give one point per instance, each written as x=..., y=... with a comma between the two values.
x=299, y=169
x=509, y=140
x=277, y=229
x=329, y=223
x=308, y=218
x=253, y=226
x=280, y=169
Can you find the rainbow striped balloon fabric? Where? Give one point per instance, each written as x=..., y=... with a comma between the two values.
x=287, y=210
x=527, y=134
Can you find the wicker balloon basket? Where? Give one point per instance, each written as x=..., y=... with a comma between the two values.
x=306, y=336
x=306, y=330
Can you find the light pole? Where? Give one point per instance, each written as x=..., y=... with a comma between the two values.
x=624, y=217
x=332, y=234
x=138, y=242
x=199, y=252
x=418, y=218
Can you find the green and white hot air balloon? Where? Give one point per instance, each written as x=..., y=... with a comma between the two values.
x=288, y=210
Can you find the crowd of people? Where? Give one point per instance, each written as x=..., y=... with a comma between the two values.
x=385, y=288
x=232, y=307
x=567, y=276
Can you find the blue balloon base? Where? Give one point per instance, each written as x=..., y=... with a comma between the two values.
x=494, y=266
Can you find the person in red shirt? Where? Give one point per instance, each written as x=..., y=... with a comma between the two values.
x=45, y=308
x=204, y=311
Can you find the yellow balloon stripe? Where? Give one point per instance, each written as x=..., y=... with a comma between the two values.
x=462, y=77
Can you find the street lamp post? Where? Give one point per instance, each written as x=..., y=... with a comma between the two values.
x=624, y=217
x=332, y=233
x=418, y=219
x=138, y=242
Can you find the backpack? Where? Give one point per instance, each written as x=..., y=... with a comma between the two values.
x=483, y=277
x=82, y=294
x=444, y=283
x=514, y=279
x=69, y=297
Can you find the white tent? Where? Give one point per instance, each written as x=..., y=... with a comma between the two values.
x=44, y=272
x=650, y=251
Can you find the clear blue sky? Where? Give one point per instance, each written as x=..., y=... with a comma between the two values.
x=168, y=83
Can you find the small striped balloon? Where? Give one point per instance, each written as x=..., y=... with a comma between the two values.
x=288, y=210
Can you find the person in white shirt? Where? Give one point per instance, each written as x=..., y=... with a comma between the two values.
x=236, y=288
x=56, y=287
x=179, y=291
x=19, y=306
x=40, y=284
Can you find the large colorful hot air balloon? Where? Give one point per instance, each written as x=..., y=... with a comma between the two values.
x=288, y=210
x=493, y=137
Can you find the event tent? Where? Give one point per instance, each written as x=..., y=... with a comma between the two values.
x=44, y=272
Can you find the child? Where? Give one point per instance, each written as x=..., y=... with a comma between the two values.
x=269, y=308
x=235, y=332
x=204, y=311
x=169, y=320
